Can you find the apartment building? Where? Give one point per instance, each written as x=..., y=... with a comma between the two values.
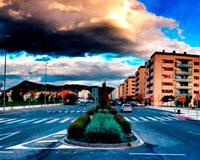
x=140, y=84
x=120, y=91
x=128, y=90
x=171, y=74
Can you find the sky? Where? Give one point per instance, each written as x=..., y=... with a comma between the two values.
x=88, y=41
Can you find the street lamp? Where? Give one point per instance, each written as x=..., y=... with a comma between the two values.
x=4, y=97
x=45, y=88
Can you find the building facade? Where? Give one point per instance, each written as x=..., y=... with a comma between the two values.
x=128, y=90
x=140, y=84
x=171, y=75
x=84, y=94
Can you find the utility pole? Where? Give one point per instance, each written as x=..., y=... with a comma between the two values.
x=4, y=97
x=45, y=87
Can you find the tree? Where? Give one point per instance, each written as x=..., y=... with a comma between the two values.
x=139, y=98
x=17, y=95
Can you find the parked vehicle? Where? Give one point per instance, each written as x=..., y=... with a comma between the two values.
x=82, y=103
x=137, y=104
x=112, y=103
x=126, y=108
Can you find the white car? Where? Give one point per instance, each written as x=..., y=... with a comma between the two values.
x=126, y=108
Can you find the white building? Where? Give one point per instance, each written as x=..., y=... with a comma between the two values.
x=115, y=93
x=84, y=94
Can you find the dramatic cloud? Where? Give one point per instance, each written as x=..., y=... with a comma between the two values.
x=71, y=28
x=77, y=70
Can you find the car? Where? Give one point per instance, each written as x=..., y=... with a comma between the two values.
x=126, y=108
x=139, y=104
x=82, y=103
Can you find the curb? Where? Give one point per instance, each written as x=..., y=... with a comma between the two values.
x=27, y=107
x=182, y=117
x=138, y=142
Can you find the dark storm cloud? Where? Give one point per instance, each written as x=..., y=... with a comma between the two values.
x=36, y=37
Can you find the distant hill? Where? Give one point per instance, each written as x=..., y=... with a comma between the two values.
x=26, y=85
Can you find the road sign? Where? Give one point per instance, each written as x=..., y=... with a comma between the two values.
x=197, y=97
x=181, y=98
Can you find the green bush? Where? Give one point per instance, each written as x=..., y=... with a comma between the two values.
x=91, y=111
x=103, y=128
x=125, y=125
x=113, y=110
x=77, y=128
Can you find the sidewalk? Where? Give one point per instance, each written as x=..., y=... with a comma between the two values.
x=186, y=113
x=28, y=107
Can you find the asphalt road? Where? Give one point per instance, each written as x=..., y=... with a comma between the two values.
x=36, y=134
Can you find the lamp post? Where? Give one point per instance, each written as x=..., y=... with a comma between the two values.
x=45, y=87
x=4, y=97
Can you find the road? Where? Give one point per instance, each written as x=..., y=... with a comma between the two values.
x=36, y=134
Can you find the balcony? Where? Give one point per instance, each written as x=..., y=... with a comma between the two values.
x=182, y=94
x=180, y=72
x=178, y=64
x=183, y=87
x=179, y=79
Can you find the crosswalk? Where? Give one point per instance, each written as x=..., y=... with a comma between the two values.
x=152, y=119
x=24, y=121
x=66, y=111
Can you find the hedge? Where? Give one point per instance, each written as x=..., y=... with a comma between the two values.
x=77, y=128
x=103, y=128
x=125, y=125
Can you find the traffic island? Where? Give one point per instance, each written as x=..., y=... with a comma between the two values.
x=102, y=128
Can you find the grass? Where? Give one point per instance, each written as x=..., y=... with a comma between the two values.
x=15, y=104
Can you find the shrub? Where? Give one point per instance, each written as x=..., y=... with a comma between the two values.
x=103, y=128
x=113, y=110
x=91, y=111
x=125, y=125
x=77, y=128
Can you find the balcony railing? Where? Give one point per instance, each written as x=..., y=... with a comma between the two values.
x=182, y=94
x=179, y=79
x=180, y=72
x=178, y=64
x=184, y=87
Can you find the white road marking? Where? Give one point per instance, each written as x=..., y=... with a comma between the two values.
x=64, y=120
x=157, y=154
x=48, y=141
x=6, y=152
x=73, y=120
x=169, y=119
x=135, y=119
x=53, y=120
x=127, y=119
x=7, y=120
x=72, y=111
x=15, y=121
x=153, y=119
x=22, y=145
x=28, y=121
x=36, y=122
x=198, y=134
x=8, y=135
x=144, y=119
x=160, y=118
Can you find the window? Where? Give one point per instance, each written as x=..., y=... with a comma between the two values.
x=167, y=83
x=196, y=77
x=167, y=69
x=196, y=92
x=196, y=63
x=167, y=76
x=196, y=70
x=167, y=91
x=167, y=61
x=196, y=85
